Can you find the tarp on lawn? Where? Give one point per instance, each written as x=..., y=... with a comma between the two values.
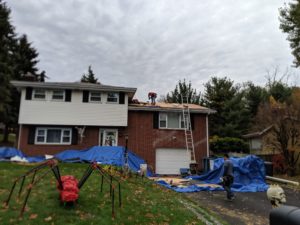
x=249, y=176
x=8, y=152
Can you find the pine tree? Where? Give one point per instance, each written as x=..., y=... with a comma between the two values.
x=232, y=117
x=25, y=59
x=17, y=57
x=7, y=45
x=89, y=77
x=183, y=89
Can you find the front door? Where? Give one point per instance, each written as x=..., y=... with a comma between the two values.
x=108, y=137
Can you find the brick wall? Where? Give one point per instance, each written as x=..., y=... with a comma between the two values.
x=143, y=139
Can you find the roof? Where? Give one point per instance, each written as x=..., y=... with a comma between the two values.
x=74, y=86
x=163, y=106
x=257, y=134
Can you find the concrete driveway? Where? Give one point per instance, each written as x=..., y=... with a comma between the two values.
x=246, y=209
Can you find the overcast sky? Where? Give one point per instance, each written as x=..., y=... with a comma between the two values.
x=151, y=45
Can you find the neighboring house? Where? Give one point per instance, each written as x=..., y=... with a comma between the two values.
x=55, y=116
x=259, y=142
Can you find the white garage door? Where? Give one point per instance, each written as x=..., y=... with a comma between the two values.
x=169, y=161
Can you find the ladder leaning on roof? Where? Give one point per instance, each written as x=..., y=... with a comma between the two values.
x=188, y=127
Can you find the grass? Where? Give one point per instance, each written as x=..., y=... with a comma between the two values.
x=144, y=202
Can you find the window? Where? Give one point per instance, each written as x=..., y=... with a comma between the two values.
x=162, y=120
x=113, y=97
x=39, y=94
x=108, y=138
x=171, y=120
x=95, y=96
x=53, y=136
x=58, y=95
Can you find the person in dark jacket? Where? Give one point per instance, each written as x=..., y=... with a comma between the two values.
x=228, y=177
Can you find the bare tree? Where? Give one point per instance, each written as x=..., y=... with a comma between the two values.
x=285, y=133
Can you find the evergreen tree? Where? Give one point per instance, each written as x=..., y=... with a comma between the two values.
x=183, y=89
x=253, y=97
x=25, y=59
x=17, y=57
x=89, y=77
x=232, y=117
x=7, y=45
x=290, y=24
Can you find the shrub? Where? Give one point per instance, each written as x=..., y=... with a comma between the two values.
x=228, y=144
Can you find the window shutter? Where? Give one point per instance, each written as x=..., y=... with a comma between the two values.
x=85, y=96
x=74, y=136
x=192, y=121
x=31, y=135
x=68, y=96
x=121, y=98
x=155, y=120
x=28, y=93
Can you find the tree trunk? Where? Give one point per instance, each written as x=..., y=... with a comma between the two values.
x=5, y=134
x=291, y=171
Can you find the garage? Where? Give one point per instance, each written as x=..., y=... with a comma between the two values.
x=170, y=160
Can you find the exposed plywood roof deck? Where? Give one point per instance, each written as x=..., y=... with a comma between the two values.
x=164, y=106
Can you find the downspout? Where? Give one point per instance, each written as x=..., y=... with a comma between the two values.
x=19, y=136
x=207, y=141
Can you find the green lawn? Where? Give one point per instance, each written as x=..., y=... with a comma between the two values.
x=144, y=202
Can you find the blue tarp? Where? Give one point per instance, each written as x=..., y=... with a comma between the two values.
x=102, y=154
x=8, y=152
x=249, y=176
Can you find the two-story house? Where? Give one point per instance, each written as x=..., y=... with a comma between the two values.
x=56, y=116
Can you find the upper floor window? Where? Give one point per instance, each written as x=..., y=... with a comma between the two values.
x=95, y=96
x=39, y=94
x=171, y=120
x=53, y=136
x=58, y=95
x=112, y=97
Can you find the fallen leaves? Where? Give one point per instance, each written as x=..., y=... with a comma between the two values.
x=49, y=218
x=33, y=216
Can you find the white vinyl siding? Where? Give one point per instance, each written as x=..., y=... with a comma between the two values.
x=169, y=161
x=44, y=135
x=171, y=120
x=75, y=112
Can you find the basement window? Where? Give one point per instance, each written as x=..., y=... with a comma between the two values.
x=53, y=136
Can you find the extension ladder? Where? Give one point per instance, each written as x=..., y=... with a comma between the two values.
x=188, y=128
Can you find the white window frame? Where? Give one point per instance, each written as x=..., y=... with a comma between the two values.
x=58, y=99
x=45, y=129
x=94, y=92
x=159, y=120
x=117, y=97
x=34, y=93
x=180, y=119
